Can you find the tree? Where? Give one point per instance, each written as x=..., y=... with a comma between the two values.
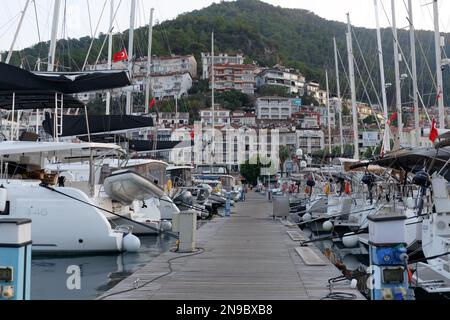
x=251, y=171
x=370, y=119
x=284, y=154
x=368, y=154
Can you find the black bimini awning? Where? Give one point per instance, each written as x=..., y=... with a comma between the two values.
x=147, y=145
x=36, y=100
x=76, y=125
x=37, y=91
x=17, y=80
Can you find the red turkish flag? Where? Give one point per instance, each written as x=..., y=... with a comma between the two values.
x=192, y=135
x=120, y=56
x=152, y=104
x=434, y=131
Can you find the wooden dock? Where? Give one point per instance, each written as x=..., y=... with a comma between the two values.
x=248, y=256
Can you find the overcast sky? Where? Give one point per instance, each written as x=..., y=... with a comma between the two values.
x=78, y=23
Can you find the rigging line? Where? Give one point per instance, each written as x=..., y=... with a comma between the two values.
x=90, y=19
x=110, y=31
x=407, y=66
x=368, y=98
x=37, y=27
x=367, y=68
x=93, y=38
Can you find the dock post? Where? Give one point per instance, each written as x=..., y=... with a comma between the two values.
x=15, y=259
x=186, y=224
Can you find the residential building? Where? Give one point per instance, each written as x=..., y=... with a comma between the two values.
x=221, y=116
x=169, y=119
x=291, y=79
x=170, y=85
x=171, y=64
x=243, y=118
x=278, y=108
x=310, y=141
x=234, y=77
x=222, y=58
x=306, y=119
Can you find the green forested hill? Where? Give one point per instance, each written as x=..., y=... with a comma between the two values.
x=265, y=34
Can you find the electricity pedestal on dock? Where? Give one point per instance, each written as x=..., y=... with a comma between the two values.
x=15, y=259
x=388, y=258
x=185, y=223
x=228, y=204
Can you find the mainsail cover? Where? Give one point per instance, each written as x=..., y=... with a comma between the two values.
x=76, y=125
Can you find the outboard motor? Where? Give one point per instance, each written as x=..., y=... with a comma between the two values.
x=421, y=179
x=369, y=179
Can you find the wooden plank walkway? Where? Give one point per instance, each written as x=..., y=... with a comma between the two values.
x=248, y=256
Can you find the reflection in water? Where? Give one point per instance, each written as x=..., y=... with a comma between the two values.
x=49, y=275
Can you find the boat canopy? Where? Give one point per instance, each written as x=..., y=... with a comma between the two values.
x=31, y=100
x=17, y=80
x=413, y=159
x=64, y=151
x=101, y=124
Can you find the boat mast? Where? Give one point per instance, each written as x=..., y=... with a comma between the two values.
x=351, y=68
x=13, y=44
x=52, y=50
x=213, y=84
x=412, y=40
x=398, y=88
x=338, y=87
x=387, y=133
x=440, y=82
x=130, y=53
x=149, y=61
x=329, y=112
x=110, y=45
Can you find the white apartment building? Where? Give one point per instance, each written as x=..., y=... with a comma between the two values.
x=221, y=117
x=290, y=79
x=222, y=58
x=171, y=118
x=238, y=77
x=171, y=64
x=273, y=108
x=243, y=118
x=310, y=141
x=171, y=85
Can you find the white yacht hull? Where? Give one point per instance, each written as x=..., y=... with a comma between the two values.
x=59, y=223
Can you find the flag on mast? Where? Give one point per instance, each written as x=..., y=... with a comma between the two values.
x=434, y=133
x=120, y=56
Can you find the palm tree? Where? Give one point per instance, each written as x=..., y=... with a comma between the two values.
x=284, y=154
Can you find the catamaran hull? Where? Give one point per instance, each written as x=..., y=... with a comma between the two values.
x=59, y=223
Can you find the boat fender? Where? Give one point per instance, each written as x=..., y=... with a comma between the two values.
x=166, y=225
x=131, y=243
x=3, y=198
